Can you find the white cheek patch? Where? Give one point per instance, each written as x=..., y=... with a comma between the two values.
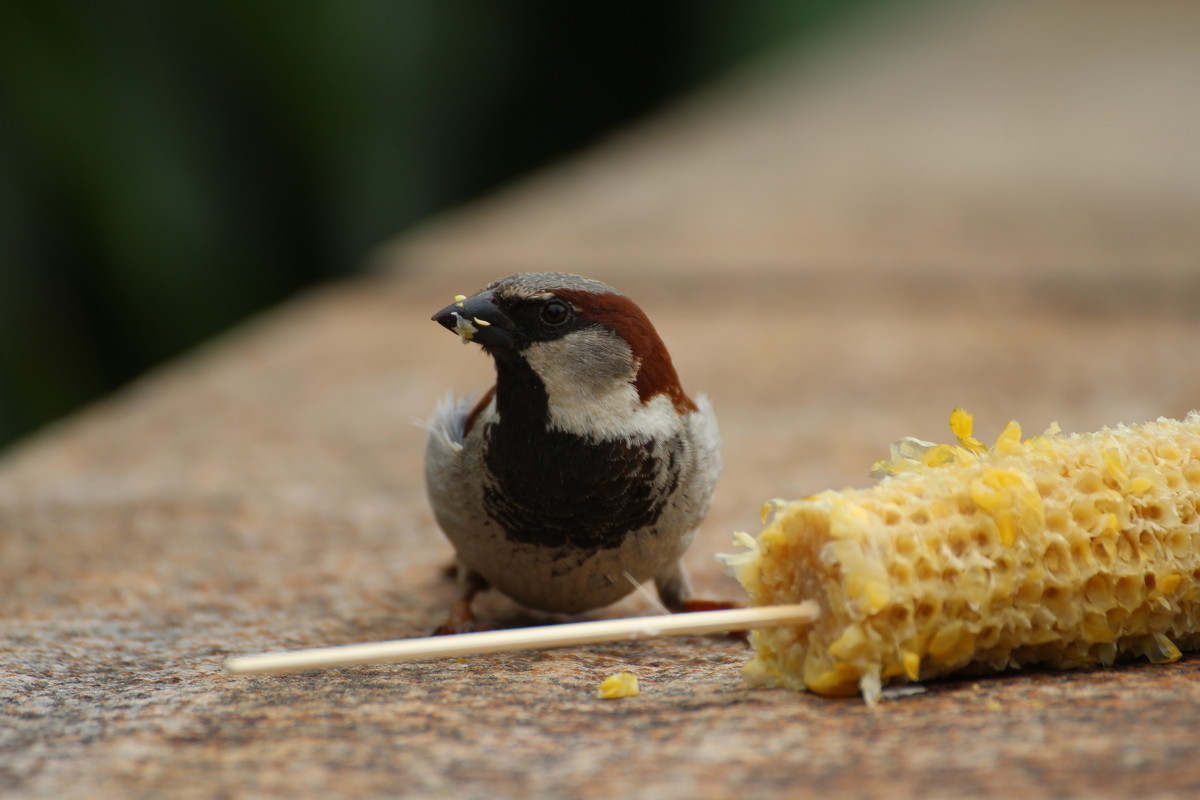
x=588, y=377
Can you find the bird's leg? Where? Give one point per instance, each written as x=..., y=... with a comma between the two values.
x=674, y=587
x=462, y=618
x=700, y=604
x=675, y=590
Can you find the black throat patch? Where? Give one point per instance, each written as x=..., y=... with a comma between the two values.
x=556, y=489
x=561, y=490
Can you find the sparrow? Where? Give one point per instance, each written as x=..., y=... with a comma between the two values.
x=585, y=470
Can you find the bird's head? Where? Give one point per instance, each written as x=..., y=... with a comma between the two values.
x=586, y=343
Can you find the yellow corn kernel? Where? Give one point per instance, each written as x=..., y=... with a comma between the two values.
x=961, y=425
x=1140, y=485
x=1165, y=651
x=1170, y=583
x=1114, y=467
x=622, y=684
x=849, y=644
x=1009, y=439
x=1057, y=551
x=912, y=664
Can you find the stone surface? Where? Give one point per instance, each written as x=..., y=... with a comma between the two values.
x=835, y=262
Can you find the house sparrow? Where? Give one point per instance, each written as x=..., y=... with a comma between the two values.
x=585, y=468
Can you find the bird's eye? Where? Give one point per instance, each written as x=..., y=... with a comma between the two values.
x=555, y=312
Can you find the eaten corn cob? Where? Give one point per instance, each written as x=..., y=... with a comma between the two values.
x=1059, y=551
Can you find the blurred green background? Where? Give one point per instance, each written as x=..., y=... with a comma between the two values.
x=168, y=168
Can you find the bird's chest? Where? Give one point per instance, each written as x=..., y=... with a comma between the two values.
x=557, y=489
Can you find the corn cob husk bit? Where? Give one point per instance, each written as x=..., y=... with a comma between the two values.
x=1056, y=551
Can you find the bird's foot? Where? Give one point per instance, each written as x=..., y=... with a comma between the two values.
x=696, y=604
x=461, y=620
x=709, y=605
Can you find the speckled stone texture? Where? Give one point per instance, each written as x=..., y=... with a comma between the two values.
x=992, y=205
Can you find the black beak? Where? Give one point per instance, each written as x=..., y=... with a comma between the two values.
x=478, y=319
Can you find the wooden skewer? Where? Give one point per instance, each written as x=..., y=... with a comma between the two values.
x=548, y=636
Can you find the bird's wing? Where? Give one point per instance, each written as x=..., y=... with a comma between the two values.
x=447, y=427
x=706, y=438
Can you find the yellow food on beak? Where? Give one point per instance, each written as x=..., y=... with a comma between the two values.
x=464, y=328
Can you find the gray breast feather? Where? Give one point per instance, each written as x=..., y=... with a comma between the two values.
x=447, y=425
x=448, y=489
x=705, y=438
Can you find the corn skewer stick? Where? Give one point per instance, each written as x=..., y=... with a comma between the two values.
x=544, y=637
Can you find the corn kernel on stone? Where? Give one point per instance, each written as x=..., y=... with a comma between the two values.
x=1057, y=551
x=622, y=684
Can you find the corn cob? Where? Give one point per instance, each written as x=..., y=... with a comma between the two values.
x=1057, y=551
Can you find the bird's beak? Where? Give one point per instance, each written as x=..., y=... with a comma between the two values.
x=477, y=319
